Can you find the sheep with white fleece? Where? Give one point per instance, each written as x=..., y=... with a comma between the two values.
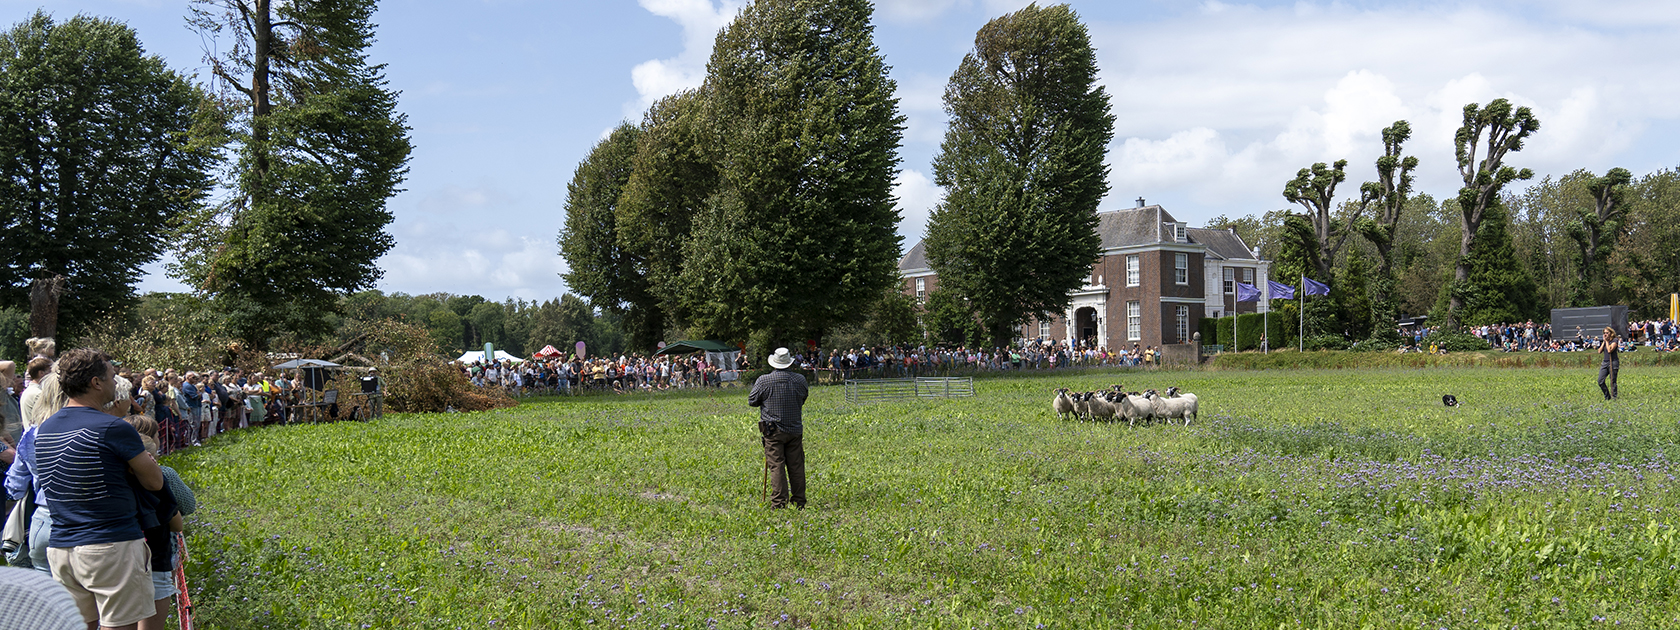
x=1192, y=407
x=1168, y=408
x=1062, y=404
x=1134, y=408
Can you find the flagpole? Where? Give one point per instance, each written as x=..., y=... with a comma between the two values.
x=1301, y=318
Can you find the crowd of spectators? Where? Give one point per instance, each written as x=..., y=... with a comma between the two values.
x=623, y=374
x=636, y=373
x=1659, y=335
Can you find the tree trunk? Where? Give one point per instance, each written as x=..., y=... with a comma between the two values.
x=1461, y=272
x=43, y=305
x=262, y=46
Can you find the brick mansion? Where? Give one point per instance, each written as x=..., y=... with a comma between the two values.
x=1155, y=279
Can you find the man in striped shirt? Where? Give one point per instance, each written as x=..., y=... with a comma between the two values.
x=82, y=459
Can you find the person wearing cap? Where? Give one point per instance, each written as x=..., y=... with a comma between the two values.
x=780, y=398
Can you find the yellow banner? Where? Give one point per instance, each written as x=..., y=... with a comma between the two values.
x=1674, y=307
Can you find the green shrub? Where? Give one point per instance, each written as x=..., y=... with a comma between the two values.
x=1325, y=342
x=1225, y=339
x=1456, y=342
x=1375, y=344
x=1209, y=327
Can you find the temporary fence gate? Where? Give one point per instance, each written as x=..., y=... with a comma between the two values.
x=874, y=390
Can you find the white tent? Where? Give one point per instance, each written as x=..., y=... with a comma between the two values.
x=478, y=355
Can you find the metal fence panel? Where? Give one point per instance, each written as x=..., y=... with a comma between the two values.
x=887, y=389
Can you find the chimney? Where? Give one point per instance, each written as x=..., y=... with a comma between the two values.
x=1140, y=202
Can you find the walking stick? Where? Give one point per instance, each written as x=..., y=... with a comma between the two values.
x=764, y=487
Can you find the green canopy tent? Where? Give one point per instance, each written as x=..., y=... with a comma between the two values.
x=722, y=355
x=691, y=347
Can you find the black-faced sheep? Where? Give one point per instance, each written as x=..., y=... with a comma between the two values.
x=1062, y=404
x=1192, y=407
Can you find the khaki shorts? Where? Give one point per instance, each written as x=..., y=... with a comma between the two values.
x=111, y=582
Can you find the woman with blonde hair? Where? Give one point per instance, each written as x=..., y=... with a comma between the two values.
x=1610, y=350
x=20, y=477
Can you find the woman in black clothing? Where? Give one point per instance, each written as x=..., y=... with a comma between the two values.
x=1610, y=350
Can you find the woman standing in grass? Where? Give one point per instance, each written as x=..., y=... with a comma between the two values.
x=1610, y=351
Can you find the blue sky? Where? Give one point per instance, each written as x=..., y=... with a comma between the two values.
x=1217, y=104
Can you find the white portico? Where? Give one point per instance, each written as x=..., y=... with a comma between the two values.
x=1085, y=314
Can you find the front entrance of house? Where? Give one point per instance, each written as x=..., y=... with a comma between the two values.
x=1085, y=323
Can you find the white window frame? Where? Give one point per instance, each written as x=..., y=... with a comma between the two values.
x=1248, y=275
x=1044, y=328
x=1230, y=280
x=1134, y=320
x=1134, y=271
x=1183, y=324
x=921, y=288
x=1181, y=268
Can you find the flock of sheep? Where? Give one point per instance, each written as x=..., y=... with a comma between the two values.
x=1132, y=407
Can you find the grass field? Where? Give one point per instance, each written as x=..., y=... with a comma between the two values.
x=1320, y=499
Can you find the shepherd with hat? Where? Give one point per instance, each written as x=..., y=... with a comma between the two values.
x=780, y=398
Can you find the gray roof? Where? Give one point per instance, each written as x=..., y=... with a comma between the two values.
x=916, y=258
x=1222, y=243
x=1131, y=226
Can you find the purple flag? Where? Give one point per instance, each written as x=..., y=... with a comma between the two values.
x=1281, y=291
x=1247, y=292
x=1316, y=288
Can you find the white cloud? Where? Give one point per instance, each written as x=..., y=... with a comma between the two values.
x=452, y=243
x=700, y=21
x=917, y=195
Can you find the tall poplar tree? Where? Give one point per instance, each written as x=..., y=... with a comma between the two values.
x=103, y=152
x=321, y=148
x=1022, y=167
x=800, y=236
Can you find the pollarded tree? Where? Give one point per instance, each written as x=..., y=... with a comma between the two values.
x=321, y=148
x=1314, y=189
x=1595, y=232
x=103, y=152
x=1389, y=194
x=1022, y=167
x=800, y=236
x=1486, y=137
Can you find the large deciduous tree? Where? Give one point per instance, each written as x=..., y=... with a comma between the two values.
x=601, y=266
x=800, y=236
x=103, y=151
x=1022, y=167
x=321, y=148
x=1487, y=135
x=1389, y=194
x=672, y=175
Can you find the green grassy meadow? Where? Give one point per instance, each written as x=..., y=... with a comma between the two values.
x=1302, y=498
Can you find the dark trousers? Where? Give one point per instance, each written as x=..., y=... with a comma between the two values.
x=1605, y=371
x=784, y=456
